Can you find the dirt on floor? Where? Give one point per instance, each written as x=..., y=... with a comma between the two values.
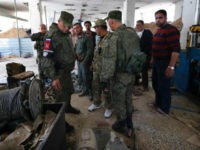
x=93, y=120
x=180, y=130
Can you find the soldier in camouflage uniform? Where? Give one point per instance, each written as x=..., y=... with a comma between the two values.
x=60, y=58
x=123, y=80
x=39, y=38
x=103, y=49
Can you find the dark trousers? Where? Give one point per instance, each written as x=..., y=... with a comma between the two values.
x=137, y=79
x=161, y=85
x=145, y=81
x=64, y=94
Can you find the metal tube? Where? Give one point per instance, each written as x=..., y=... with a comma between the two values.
x=45, y=13
x=54, y=16
x=40, y=10
x=197, y=14
x=19, y=43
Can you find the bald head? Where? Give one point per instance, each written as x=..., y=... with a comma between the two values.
x=43, y=28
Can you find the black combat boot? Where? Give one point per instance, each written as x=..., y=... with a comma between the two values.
x=84, y=93
x=120, y=126
x=72, y=110
x=129, y=125
x=68, y=127
x=90, y=95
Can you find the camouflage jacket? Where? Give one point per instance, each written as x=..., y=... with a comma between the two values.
x=39, y=38
x=126, y=45
x=108, y=50
x=63, y=57
x=84, y=48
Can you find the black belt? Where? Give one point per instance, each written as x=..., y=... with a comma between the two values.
x=161, y=59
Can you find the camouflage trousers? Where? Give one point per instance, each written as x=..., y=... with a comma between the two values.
x=39, y=62
x=98, y=94
x=40, y=70
x=122, y=90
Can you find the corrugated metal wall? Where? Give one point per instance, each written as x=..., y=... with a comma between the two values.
x=10, y=46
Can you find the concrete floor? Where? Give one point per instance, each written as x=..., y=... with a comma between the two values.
x=178, y=131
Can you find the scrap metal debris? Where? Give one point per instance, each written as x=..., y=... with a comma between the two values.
x=27, y=136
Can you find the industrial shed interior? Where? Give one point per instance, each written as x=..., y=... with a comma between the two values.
x=38, y=122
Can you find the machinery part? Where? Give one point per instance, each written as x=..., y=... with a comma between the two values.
x=35, y=98
x=10, y=106
x=21, y=102
x=193, y=39
x=115, y=143
x=87, y=140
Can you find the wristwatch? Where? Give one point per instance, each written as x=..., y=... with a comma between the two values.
x=171, y=67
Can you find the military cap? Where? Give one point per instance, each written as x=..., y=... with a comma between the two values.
x=67, y=18
x=115, y=14
x=100, y=22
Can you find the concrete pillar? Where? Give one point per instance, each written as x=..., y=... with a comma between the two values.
x=188, y=18
x=197, y=13
x=178, y=10
x=35, y=15
x=128, y=13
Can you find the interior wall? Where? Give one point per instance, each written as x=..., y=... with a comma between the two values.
x=146, y=13
x=178, y=9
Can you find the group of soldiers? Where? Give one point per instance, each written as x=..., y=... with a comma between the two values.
x=110, y=63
